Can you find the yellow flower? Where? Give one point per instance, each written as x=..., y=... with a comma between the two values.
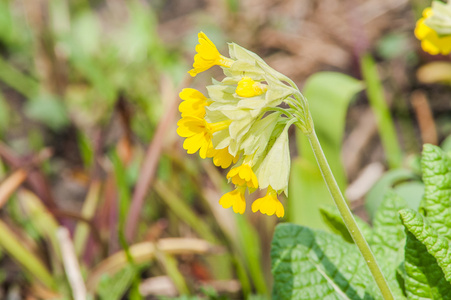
x=269, y=204
x=207, y=56
x=235, y=199
x=243, y=175
x=247, y=87
x=198, y=134
x=431, y=42
x=222, y=158
x=193, y=103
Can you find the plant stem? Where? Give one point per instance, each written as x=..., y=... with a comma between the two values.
x=15, y=248
x=348, y=218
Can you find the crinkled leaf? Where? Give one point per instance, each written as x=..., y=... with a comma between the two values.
x=312, y=264
x=388, y=231
x=437, y=179
x=427, y=259
x=388, y=239
x=331, y=216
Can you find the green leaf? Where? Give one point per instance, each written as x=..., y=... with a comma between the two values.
x=446, y=144
x=388, y=239
x=437, y=179
x=391, y=180
x=312, y=264
x=49, y=110
x=5, y=115
x=412, y=192
x=307, y=194
x=112, y=288
x=381, y=111
x=329, y=95
x=388, y=231
x=248, y=238
x=427, y=259
x=331, y=216
x=393, y=45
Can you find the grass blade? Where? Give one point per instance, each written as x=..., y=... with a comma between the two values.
x=380, y=108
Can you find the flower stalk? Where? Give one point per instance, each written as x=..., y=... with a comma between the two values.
x=348, y=218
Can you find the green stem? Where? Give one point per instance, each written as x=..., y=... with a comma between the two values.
x=27, y=259
x=348, y=218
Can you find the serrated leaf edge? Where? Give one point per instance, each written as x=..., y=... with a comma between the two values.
x=428, y=236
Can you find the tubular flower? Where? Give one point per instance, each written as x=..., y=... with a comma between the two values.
x=244, y=120
x=269, y=204
x=243, y=175
x=207, y=56
x=198, y=134
x=193, y=104
x=247, y=87
x=234, y=199
x=222, y=158
x=431, y=41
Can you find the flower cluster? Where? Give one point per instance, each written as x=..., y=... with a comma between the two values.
x=434, y=28
x=241, y=122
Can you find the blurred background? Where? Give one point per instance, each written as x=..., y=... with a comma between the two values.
x=98, y=198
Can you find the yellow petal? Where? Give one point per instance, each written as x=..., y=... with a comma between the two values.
x=189, y=126
x=421, y=29
x=222, y=158
x=431, y=42
x=191, y=94
x=193, y=143
x=234, y=199
x=247, y=87
x=207, y=56
x=205, y=146
x=269, y=204
x=243, y=175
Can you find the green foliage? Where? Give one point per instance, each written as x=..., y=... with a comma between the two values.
x=312, y=264
x=412, y=248
x=5, y=115
x=436, y=205
x=404, y=182
x=248, y=238
x=380, y=108
x=330, y=94
x=49, y=110
x=332, y=218
x=114, y=287
x=427, y=257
